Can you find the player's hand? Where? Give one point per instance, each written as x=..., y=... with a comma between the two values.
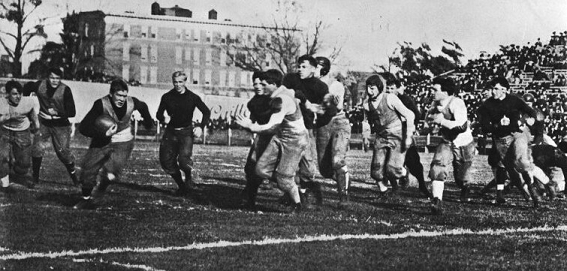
x=44, y=115
x=243, y=121
x=437, y=118
x=530, y=121
x=52, y=112
x=505, y=121
x=197, y=132
x=112, y=130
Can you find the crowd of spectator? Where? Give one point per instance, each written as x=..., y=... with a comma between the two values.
x=538, y=68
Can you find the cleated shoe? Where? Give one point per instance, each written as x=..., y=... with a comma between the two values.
x=296, y=208
x=551, y=191
x=85, y=204
x=404, y=182
x=436, y=207
x=8, y=190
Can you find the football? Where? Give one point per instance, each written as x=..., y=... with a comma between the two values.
x=103, y=123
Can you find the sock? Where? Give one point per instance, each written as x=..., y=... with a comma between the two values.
x=5, y=181
x=178, y=179
x=540, y=175
x=560, y=185
x=437, y=188
x=294, y=194
x=71, y=169
x=382, y=186
x=36, y=166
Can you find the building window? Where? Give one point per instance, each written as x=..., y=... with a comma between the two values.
x=93, y=52
x=154, y=55
x=231, y=78
x=153, y=32
x=222, y=78
x=196, y=35
x=268, y=60
x=153, y=75
x=195, y=76
x=143, y=74
x=188, y=54
x=178, y=54
x=222, y=57
x=188, y=73
x=244, y=78
x=208, y=76
x=144, y=31
x=196, y=56
x=209, y=36
x=188, y=34
x=126, y=30
x=209, y=57
x=126, y=51
x=178, y=33
x=125, y=71
x=223, y=37
x=144, y=53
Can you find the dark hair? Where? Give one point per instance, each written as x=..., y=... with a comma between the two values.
x=29, y=87
x=56, y=71
x=256, y=74
x=292, y=81
x=13, y=85
x=391, y=79
x=325, y=63
x=312, y=61
x=500, y=80
x=375, y=80
x=272, y=76
x=118, y=85
x=447, y=84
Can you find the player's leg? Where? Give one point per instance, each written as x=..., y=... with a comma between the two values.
x=524, y=165
x=41, y=141
x=5, y=148
x=21, y=149
x=112, y=168
x=185, y=158
x=415, y=167
x=91, y=165
x=253, y=181
x=340, y=144
x=61, y=139
x=168, y=153
x=308, y=167
x=291, y=150
x=378, y=164
x=438, y=173
x=462, y=163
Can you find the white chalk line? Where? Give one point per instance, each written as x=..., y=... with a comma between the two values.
x=126, y=265
x=272, y=241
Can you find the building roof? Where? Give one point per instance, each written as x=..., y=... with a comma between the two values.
x=187, y=20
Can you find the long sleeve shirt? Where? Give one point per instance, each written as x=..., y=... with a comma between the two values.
x=88, y=128
x=180, y=108
x=502, y=117
x=314, y=91
x=62, y=118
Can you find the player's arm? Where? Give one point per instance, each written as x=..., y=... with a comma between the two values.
x=205, y=111
x=459, y=110
x=87, y=126
x=525, y=108
x=34, y=119
x=145, y=112
x=395, y=103
x=484, y=119
x=277, y=117
x=70, y=110
x=161, y=110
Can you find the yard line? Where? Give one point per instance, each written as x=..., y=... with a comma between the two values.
x=127, y=265
x=271, y=241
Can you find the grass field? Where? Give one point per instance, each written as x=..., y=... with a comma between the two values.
x=140, y=225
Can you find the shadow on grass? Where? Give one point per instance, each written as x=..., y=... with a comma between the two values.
x=141, y=187
x=60, y=198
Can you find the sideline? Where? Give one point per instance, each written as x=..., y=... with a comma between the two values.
x=271, y=241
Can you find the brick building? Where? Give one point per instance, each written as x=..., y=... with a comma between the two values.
x=149, y=48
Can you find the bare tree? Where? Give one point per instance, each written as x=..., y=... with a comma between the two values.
x=280, y=43
x=17, y=12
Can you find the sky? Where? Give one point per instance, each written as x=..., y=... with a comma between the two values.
x=368, y=31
